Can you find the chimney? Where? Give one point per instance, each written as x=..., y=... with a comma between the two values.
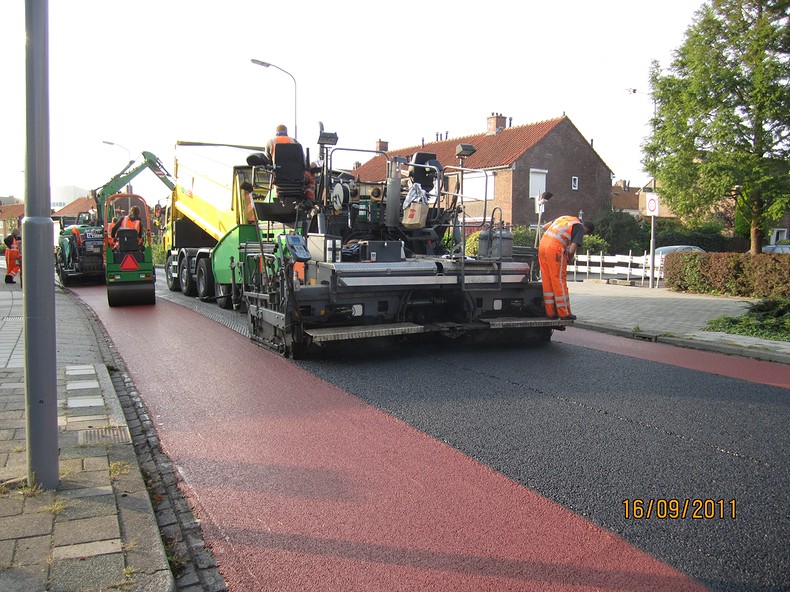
x=357, y=164
x=496, y=123
x=382, y=145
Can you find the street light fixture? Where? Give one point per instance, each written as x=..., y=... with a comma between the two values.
x=462, y=151
x=266, y=65
x=128, y=153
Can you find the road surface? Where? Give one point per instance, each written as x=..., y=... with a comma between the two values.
x=467, y=469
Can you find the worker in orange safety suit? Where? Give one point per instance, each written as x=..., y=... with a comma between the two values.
x=563, y=236
x=13, y=246
x=130, y=221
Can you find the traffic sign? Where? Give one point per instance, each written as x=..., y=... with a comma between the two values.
x=651, y=205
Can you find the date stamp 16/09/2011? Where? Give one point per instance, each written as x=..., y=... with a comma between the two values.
x=679, y=509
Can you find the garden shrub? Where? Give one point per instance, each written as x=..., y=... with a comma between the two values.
x=740, y=275
x=733, y=274
x=594, y=244
x=473, y=244
x=771, y=276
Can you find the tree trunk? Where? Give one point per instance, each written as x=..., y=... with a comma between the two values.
x=756, y=229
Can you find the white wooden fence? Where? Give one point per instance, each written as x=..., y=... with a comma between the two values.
x=600, y=266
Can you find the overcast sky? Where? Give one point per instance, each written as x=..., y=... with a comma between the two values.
x=147, y=73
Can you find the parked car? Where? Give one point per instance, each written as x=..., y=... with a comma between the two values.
x=777, y=249
x=671, y=249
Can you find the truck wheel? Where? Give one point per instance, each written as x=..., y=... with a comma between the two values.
x=172, y=283
x=61, y=265
x=224, y=294
x=187, y=283
x=205, y=279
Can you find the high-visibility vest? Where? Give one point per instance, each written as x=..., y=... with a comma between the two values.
x=279, y=139
x=77, y=236
x=127, y=222
x=561, y=230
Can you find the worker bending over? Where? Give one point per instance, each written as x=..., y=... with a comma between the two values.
x=561, y=238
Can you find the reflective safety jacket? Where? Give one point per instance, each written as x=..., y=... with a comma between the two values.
x=127, y=222
x=561, y=230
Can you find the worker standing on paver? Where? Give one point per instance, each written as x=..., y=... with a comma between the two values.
x=562, y=237
x=13, y=247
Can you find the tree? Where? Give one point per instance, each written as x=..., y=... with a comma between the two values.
x=620, y=230
x=721, y=129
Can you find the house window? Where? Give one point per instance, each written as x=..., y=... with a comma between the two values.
x=537, y=185
x=575, y=183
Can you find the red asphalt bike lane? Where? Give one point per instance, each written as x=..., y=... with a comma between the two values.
x=770, y=373
x=301, y=486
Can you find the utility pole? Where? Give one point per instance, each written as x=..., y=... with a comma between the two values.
x=38, y=294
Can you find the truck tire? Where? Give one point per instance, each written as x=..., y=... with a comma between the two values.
x=61, y=268
x=185, y=278
x=204, y=279
x=173, y=284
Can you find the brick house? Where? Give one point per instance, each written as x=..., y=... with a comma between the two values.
x=524, y=161
x=626, y=198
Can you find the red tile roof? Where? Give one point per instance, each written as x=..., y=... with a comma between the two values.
x=10, y=211
x=625, y=197
x=501, y=149
x=79, y=205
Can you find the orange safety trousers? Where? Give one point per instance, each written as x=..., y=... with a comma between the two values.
x=553, y=259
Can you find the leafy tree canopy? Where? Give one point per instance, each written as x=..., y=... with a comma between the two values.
x=721, y=131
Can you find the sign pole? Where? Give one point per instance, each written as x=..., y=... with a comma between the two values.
x=652, y=251
x=651, y=205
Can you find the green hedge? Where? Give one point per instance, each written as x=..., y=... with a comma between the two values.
x=732, y=274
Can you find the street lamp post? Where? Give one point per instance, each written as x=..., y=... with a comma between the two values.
x=266, y=65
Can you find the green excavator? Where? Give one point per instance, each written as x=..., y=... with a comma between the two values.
x=85, y=249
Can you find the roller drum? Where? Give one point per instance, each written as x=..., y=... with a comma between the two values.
x=131, y=294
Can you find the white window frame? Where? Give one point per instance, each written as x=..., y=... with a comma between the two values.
x=574, y=183
x=537, y=185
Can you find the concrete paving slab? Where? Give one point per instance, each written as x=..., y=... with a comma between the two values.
x=74, y=532
x=87, y=401
x=94, y=573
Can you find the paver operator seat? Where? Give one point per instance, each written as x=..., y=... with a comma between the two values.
x=290, y=183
